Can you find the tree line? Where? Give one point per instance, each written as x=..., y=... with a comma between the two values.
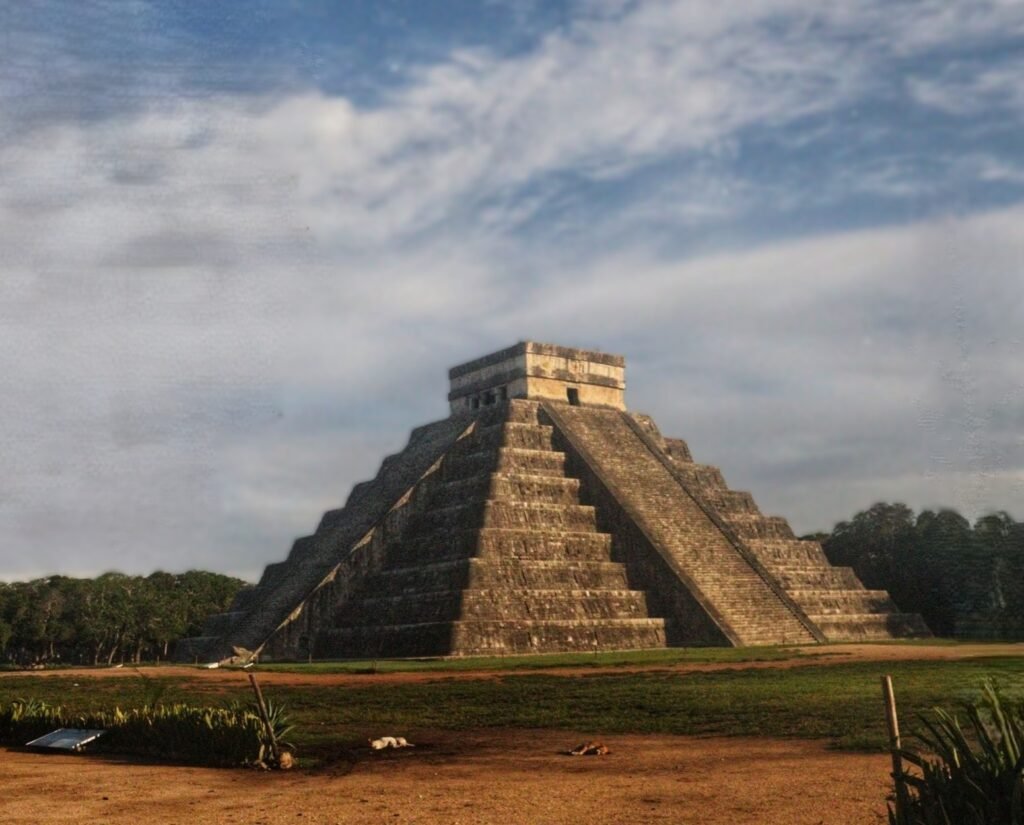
x=112, y=618
x=964, y=579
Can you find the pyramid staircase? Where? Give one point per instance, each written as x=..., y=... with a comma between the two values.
x=745, y=604
x=833, y=598
x=501, y=558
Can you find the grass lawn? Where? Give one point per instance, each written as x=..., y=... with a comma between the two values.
x=839, y=702
x=620, y=658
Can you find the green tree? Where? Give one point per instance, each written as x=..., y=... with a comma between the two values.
x=959, y=577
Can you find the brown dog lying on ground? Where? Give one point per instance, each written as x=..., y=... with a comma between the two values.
x=590, y=749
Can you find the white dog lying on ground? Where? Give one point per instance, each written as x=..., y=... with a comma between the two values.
x=389, y=742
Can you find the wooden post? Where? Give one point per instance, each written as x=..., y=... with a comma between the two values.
x=275, y=751
x=892, y=722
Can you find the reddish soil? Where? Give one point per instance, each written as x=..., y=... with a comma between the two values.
x=504, y=776
x=484, y=777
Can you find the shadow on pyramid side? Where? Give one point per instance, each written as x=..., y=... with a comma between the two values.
x=542, y=516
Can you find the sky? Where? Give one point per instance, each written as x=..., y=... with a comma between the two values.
x=242, y=242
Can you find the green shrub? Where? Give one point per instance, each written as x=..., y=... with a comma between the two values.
x=186, y=733
x=969, y=775
x=280, y=723
x=26, y=719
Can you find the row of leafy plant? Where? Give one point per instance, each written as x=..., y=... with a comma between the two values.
x=223, y=736
x=969, y=773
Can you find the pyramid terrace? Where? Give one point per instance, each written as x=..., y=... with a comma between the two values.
x=543, y=516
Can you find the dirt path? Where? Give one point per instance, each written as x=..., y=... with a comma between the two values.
x=506, y=777
x=503, y=776
x=804, y=656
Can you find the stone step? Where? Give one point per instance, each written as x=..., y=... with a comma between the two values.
x=516, y=410
x=436, y=606
x=256, y=625
x=849, y=601
x=491, y=638
x=277, y=573
x=390, y=641
x=514, y=487
x=483, y=573
x=757, y=526
x=245, y=598
x=506, y=514
x=505, y=637
x=302, y=549
x=702, y=478
x=679, y=450
x=854, y=627
x=495, y=604
x=503, y=460
x=279, y=583
x=787, y=551
x=273, y=574
x=732, y=502
x=552, y=605
x=522, y=411
x=515, y=435
x=498, y=543
x=813, y=576
x=219, y=623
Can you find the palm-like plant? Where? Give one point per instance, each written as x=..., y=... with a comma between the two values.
x=970, y=774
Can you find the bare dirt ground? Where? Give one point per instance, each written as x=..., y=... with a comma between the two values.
x=506, y=777
x=503, y=776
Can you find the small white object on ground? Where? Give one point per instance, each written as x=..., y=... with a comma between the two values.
x=390, y=742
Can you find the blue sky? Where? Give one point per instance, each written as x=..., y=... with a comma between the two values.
x=240, y=243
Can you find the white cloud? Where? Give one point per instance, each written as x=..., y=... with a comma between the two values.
x=220, y=312
x=600, y=97
x=813, y=371
x=972, y=88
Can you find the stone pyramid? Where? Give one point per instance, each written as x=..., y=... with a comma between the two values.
x=542, y=516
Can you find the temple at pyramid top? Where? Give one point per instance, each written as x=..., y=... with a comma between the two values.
x=541, y=372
